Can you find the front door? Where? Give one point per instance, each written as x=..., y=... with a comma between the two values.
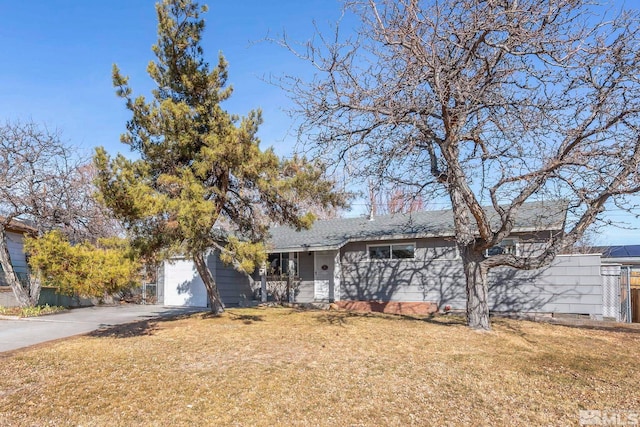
x=323, y=276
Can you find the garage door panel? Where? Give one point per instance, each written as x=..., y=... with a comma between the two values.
x=183, y=285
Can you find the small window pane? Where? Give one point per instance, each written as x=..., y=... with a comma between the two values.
x=509, y=247
x=495, y=250
x=506, y=247
x=274, y=267
x=379, y=252
x=403, y=251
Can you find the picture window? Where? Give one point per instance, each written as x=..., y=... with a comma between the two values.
x=395, y=251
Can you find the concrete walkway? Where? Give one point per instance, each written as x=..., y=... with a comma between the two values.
x=17, y=333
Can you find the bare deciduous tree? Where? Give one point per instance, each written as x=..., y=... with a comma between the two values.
x=43, y=182
x=394, y=200
x=79, y=214
x=492, y=102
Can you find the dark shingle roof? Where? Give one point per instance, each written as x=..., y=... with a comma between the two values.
x=335, y=233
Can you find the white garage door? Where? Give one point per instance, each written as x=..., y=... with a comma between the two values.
x=182, y=285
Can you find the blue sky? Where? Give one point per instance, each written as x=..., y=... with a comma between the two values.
x=57, y=57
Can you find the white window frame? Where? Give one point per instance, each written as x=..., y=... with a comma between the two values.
x=390, y=245
x=510, y=242
x=293, y=256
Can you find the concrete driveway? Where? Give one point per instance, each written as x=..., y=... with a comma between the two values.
x=18, y=333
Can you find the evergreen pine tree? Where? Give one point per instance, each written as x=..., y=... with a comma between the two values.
x=200, y=168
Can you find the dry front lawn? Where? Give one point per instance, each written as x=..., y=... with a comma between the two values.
x=277, y=366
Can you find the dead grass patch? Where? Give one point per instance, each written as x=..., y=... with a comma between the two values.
x=277, y=366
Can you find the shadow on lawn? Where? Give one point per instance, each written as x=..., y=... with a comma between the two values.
x=135, y=329
x=127, y=330
x=247, y=319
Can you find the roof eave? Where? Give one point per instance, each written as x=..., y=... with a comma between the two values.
x=21, y=228
x=622, y=260
x=390, y=237
x=305, y=248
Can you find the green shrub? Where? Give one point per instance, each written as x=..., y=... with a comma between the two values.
x=83, y=269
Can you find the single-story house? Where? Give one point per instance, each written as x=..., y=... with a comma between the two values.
x=406, y=258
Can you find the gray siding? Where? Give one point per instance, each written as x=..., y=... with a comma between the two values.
x=16, y=251
x=571, y=284
x=18, y=260
x=437, y=281
x=435, y=275
x=235, y=288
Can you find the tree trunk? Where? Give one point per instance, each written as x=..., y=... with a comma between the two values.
x=209, y=283
x=23, y=295
x=477, y=289
x=35, y=286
